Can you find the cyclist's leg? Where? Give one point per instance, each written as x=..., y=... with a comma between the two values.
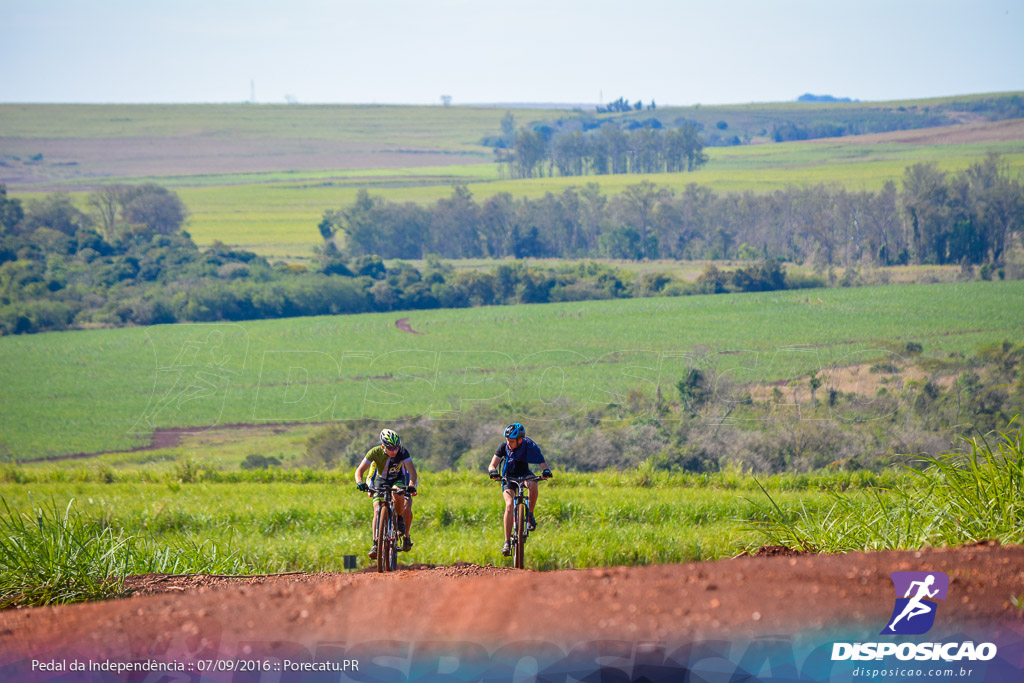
x=407, y=514
x=373, y=529
x=509, y=512
x=372, y=481
x=402, y=512
x=532, y=486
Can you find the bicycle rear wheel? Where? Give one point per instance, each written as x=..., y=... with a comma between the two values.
x=383, y=546
x=519, y=546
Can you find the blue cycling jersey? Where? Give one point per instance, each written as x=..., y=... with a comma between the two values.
x=516, y=462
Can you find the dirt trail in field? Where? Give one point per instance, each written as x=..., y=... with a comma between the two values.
x=72, y=159
x=988, y=131
x=162, y=438
x=403, y=325
x=775, y=593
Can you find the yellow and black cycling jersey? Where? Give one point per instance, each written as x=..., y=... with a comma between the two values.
x=392, y=468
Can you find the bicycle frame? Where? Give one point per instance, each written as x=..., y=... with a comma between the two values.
x=521, y=513
x=385, y=531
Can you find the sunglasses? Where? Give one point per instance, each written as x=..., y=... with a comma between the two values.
x=391, y=449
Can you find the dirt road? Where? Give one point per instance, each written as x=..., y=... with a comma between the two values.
x=202, y=618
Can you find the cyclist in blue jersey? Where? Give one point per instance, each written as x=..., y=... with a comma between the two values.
x=513, y=459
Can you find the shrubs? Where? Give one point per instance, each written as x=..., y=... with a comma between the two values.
x=953, y=499
x=255, y=461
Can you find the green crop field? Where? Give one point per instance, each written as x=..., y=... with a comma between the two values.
x=448, y=128
x=98, y=390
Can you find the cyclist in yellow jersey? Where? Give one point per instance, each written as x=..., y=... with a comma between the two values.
x=390, y=463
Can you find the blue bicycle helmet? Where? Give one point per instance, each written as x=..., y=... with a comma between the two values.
x=514, y=431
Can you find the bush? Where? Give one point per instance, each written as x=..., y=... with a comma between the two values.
x=805, y=281
x=255, y=461
x=35, y=316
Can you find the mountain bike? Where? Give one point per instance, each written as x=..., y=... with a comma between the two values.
x=521, y=513
x=385, y=532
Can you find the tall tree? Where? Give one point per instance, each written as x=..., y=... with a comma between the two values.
x=679, y=220
x=997, y=204
x=530, y=151
x=615, y=146
x=11, y=211
x=641, y=200
x=154, y=209
x=357, y=225
x=456, y=226
x=108, y=203
x=568, y=152
x=925, y=199
x=56, y=212
x=508, y=129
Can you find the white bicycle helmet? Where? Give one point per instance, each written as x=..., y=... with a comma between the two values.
x=389, y=438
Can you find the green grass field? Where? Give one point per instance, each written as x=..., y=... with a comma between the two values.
x=99, y=390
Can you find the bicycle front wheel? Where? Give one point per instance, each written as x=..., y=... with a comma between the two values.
x=519, y=547
x=383, y=542
x=392, y=545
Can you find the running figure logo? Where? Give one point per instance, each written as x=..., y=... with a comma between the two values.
x=914, y=612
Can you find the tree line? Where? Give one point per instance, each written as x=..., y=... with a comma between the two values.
x=621, y=105
x=772, y=122
x=932, y=217
x=534, y=152
x=61, y=267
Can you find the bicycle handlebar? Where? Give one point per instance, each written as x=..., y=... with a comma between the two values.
x=521, y=480
x=401, y=488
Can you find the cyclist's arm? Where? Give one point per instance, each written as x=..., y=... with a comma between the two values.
x=495, y=461
x=536, y=457
x=413, y=479
x=361, y=470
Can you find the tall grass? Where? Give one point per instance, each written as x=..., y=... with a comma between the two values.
x=956, y=498
x=80, y=551
x=54, y=555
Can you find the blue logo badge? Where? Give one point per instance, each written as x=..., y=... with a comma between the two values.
x=916, y=595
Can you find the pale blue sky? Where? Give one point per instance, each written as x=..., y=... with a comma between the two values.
x=571, y=51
